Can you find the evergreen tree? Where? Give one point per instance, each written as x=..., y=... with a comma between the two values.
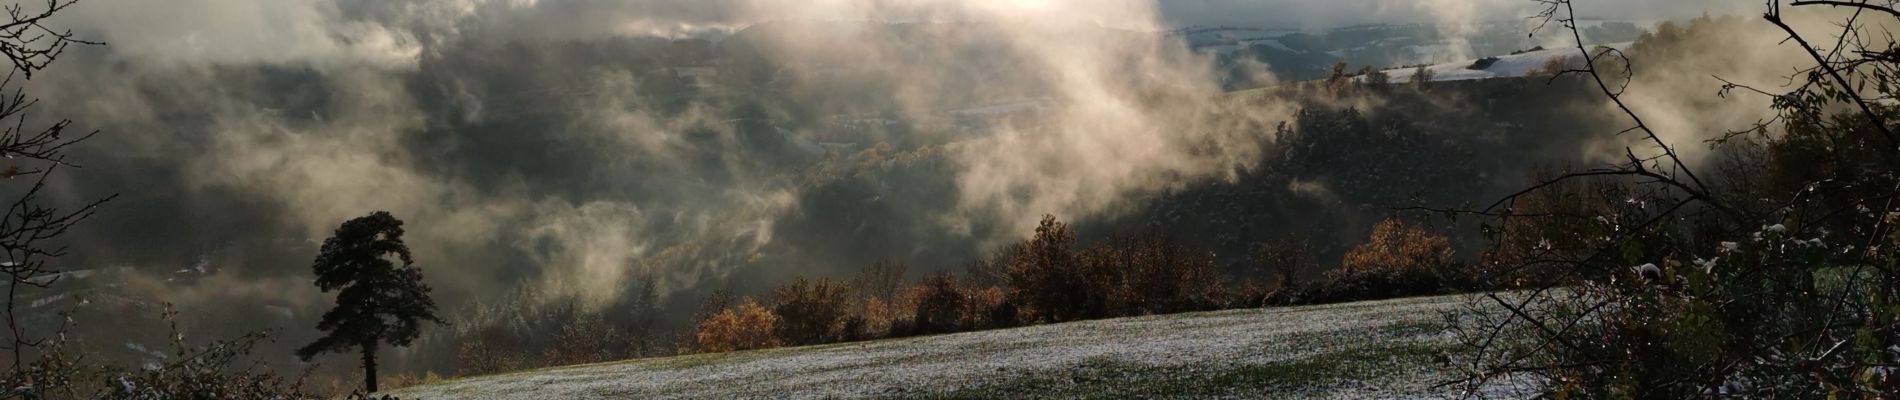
x=377, y=301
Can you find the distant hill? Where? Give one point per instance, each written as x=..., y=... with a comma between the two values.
x=1296, y=55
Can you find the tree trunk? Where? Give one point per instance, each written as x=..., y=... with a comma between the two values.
x=369, y=367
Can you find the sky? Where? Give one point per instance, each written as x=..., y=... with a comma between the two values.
x=371, y=84
x=266, y=95
x=1314, y=14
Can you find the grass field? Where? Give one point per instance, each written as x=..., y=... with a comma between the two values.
x=1380, y=349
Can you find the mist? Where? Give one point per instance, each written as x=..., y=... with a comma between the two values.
x=558, y=148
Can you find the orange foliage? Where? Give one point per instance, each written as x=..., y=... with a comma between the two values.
x=749, y=327
x=1395, y=246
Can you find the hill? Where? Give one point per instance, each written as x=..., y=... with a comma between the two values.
x=1379, y=349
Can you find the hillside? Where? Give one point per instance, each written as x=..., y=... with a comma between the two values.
x=1380, y=349
x=1297, y=55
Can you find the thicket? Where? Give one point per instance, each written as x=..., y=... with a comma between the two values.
x=1768, y=270
x=512, y=332
x=1397, y=260
x=1049, y=278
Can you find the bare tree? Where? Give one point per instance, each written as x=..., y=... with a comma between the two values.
x=30, y=228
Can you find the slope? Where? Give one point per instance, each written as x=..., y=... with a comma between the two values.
x=1380, y=349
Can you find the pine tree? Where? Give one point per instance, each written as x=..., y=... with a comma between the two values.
x=377, y=301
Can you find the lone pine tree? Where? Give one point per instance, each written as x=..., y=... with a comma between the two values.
x=377, y=301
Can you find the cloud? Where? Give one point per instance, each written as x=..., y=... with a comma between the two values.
x=1330, y=14
x=549, y=145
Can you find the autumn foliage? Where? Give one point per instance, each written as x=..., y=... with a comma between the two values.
x=1396, y=246
x=1049, y=278
x=810, y=312
x=746, y=327
x=1396, y=260
x=940, y=305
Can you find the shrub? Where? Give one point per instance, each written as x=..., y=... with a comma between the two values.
x=747, y=327
x=490, y=349
x=940, y=305
x=1375, y=78
x=1163, y=275
x=1483, y=63
x=216, y=370
x=211, y=372
x=1002, y=315
x=878, y=315
x=981, y=310
x=1547, y=228
x=1396, y=261
x=1421, y=76
x=1133, y=274
x=584, y=338
x=1101, y=276
x=1285, y=258
x=809, y=311
x=1396, y=246
x=1045, y=275
x=855, y=328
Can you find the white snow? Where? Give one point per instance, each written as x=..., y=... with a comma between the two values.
x=1206, y=36
x=42, y=302
x=1507, y=66
x=1000, y=109
x=1224, y=49
x=1709, y=264
x=1273, y=43
x=1649, y=269
x=1188, y=345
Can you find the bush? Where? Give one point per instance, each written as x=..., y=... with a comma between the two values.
x=1421, y=76
x=1769, y=272
x=855, y=328
x=1483, y=63
x=489, y=350
x=1360, y=285
x=1046, y=275
x=585, y=338
x=1162, y=275
x=1002, y=315
x=809, y=312
x=1396, y=261
x=940, y=305
x=880, y=313
x=1285, y=258
x=980, y=310
x=1375, y=78
x=216, y=370
x=1396, y=246
x=1101, y=275
x=1545, y=230
x=748, y=327
x=1129, y=275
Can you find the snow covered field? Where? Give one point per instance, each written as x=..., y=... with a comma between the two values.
x=1382, y=349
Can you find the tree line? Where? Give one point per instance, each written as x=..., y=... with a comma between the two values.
x=1050, y=278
